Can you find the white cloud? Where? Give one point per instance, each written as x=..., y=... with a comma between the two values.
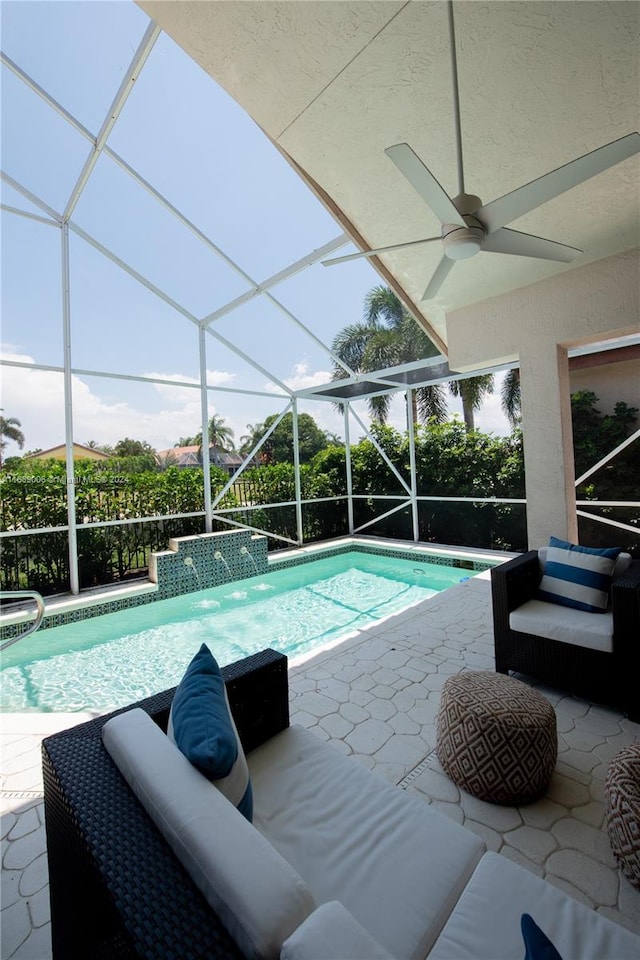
x=36, y=399
x=300, y=379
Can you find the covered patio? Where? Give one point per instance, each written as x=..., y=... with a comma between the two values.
x=316, y=78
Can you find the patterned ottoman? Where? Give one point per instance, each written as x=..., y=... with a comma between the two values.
x=496, y=737
x=622, y=796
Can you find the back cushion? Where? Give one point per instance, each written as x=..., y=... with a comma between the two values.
x=622, y=564
x=578, y=577
x=258, y=896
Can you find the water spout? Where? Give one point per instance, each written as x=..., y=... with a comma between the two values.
x=218, y=556
x=188, y=562
x=245, y=553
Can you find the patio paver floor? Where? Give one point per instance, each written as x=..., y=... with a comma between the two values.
x=375, y=697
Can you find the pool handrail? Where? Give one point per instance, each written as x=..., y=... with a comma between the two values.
x=19, y=595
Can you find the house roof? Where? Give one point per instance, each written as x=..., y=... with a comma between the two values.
x=190, y=456
x=78, y=449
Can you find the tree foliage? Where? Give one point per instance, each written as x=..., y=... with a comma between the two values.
x=10, y=430
x=387, y=336
x=594, y=436
x=450, y=463
x=278, y=448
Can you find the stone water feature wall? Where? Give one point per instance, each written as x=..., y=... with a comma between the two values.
x=207, y=560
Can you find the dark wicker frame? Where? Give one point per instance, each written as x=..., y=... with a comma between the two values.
x=610, y=678
x=116, y=889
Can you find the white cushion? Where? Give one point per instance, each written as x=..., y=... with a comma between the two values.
x=258, y=896
x=331, y=933
x=485, y=924
x=397, y=865
x=592, y=630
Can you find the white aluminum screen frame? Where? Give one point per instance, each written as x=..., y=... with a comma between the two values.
x=380, y=381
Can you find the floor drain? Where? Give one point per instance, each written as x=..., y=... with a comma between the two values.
x=23, y=794
x=418, y=770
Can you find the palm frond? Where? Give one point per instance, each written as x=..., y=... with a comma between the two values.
x=432, y=403
x=510, y=396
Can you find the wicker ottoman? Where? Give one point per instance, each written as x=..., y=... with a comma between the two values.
x=496, y=737
x=622, y=796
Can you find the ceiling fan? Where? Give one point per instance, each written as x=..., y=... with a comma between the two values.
x=468, y=225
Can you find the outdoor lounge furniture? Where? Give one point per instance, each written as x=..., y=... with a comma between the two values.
x=497, y=737
x=359, y=868
x=599, y=655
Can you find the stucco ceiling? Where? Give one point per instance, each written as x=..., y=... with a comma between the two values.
x=334, y=83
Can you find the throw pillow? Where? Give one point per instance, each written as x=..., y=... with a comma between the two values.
x=577, y=577
x=537, y=944
x=201, y=726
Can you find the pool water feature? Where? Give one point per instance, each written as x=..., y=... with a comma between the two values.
x=116, y=659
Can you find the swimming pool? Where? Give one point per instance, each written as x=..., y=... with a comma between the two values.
x=116, y=659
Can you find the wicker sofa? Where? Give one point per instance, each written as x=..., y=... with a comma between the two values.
x=604, y=677
x=117, y=889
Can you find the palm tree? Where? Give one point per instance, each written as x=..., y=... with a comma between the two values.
x=250, y=439
x=510, y=397
x=220, y=435
x=472, y=392
x=387, y=336
x=10, y=428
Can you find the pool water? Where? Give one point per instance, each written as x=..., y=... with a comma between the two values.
x=113, y=660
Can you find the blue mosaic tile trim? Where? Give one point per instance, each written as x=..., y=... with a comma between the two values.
x=463, y=563
x=84, y=613
x=176, y=578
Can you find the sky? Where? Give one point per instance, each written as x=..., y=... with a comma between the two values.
x=193, y=144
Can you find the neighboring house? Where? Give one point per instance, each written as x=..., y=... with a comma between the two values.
x=613, y=375
x=80, y=452
x=190, y=457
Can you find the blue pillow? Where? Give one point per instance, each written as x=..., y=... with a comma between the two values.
x=201, y=726
x=537, y=944
x=577, y=577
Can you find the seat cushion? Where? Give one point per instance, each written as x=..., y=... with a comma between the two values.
x=565, y=624
x=397, y=865
x=331, y=933
x=258, y=896
x=485, y=924
x=577, y=577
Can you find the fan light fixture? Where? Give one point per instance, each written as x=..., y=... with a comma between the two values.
x=468, y=226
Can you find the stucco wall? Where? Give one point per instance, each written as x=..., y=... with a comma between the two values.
x=536, y=325
x=610, y=383
x=580, y=306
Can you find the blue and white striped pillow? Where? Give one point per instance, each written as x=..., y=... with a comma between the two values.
x=577, y=577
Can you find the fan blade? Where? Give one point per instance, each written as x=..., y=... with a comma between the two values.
x=439, y=277
x=374, y=253
x=423, y=182
x=526, y=245
x=515, y=204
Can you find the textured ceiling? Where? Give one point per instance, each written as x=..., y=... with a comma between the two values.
x=334, y=83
